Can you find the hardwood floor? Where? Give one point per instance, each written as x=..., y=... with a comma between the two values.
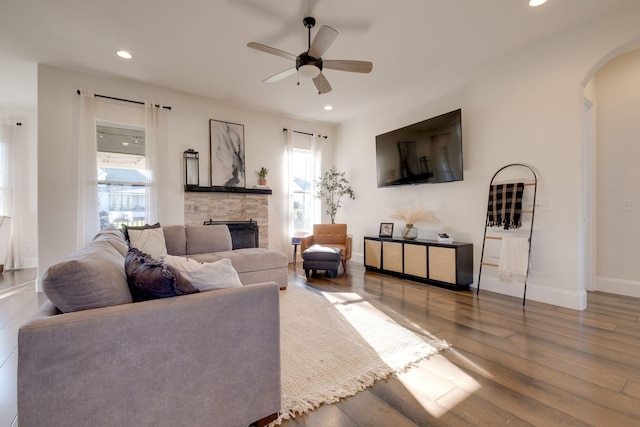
x=508, y=365
x=18, y=300
x=538, y=365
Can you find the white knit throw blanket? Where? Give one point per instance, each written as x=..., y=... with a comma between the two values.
x=514, y=259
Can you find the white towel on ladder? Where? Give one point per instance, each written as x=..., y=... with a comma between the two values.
x=514, y=259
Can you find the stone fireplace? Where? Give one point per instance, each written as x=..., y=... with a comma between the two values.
x=200, y=207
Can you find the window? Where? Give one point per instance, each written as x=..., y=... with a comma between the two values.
x=304, y=203
x=121, y=175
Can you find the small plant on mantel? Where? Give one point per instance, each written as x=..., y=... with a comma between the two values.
x=331, y=188
x=262, y=175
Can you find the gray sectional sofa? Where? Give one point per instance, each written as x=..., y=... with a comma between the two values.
x=209, y=243
x=203, y=359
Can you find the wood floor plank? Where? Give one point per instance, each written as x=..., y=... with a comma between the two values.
x=588, y=411
x=367, y=409
x=8, y=390
x=325, y=415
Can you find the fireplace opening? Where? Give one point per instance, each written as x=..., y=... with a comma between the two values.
x=244, y=234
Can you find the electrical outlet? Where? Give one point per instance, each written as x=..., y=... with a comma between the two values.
x=626, y=205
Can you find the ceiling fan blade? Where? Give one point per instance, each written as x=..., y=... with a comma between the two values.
x=272, y=50
x=322, y=84
x=321, y=42
x=346, y=65
x=281, y=75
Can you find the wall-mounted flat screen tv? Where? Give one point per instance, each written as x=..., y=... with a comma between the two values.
x=429, y=151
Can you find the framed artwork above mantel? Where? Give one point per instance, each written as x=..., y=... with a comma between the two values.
x=226, y=154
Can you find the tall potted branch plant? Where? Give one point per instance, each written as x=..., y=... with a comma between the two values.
x=332, y=187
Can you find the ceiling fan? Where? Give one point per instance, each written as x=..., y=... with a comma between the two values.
x=310, y=63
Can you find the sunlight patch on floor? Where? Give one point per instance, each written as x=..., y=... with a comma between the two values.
x=435, y=383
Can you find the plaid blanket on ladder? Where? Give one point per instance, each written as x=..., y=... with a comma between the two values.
x=505, y=205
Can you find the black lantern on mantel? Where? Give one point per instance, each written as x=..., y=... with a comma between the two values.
x=191, y=168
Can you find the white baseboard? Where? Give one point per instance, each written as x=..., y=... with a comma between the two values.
x=575, y=300
x=618, y=286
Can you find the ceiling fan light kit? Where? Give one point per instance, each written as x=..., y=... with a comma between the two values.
x=309, y=64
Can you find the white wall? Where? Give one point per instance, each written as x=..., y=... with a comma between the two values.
x=526, y=107
x=618, y=153
x=188, y=127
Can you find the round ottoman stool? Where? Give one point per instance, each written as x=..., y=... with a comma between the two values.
x=318, y=257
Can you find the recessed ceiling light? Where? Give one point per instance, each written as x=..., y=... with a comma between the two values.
x=124, y=54
x=534, y=3
x=328, y=107
x=126, y=144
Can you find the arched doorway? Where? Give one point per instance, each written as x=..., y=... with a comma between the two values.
x=611, y=195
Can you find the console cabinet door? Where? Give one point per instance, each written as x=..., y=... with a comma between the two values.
x=442, y=264
x=372, y=253
x=415, y=260
x=392, y=256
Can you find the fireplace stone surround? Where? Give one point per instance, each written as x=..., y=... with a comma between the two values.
x=200, y=207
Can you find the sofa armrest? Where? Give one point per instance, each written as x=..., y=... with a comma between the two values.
x=185, y=360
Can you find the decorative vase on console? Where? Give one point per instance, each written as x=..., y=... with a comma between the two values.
x=410, y=216
x=409, y=232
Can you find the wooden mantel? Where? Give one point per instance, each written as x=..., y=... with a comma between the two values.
x=220, y=189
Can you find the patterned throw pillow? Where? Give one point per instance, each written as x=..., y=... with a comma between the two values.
x=148, y=240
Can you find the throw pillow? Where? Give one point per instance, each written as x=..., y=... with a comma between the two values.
x=206, y=276
x=149, y=240
x=126, y=228
x=149, y=278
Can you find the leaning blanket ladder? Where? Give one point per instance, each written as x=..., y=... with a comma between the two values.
x=530, y=182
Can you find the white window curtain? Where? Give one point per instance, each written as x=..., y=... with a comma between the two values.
x=299, y=140
x=85, y=148
x=288, y=193
x=9, y=156
x=154, y=118
x=315, y=167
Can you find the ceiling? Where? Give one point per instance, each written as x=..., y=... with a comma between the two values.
x=200, y=47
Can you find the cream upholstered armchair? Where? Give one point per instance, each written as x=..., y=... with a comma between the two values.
x=333, y=235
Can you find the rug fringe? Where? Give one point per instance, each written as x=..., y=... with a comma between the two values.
x=299, y=406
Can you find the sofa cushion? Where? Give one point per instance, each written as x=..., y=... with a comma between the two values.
x=206, y=276
x=202, y=239
x=149, y=278
x=248, y=259
x=91, y=277
x=149, y=240
x=175, y=239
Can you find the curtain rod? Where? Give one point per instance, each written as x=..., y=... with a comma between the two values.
x=304, y=133
x=166, y=107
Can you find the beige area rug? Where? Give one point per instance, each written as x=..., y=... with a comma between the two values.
x=334, y=346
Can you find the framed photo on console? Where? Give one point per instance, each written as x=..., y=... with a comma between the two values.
x=386, y=229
